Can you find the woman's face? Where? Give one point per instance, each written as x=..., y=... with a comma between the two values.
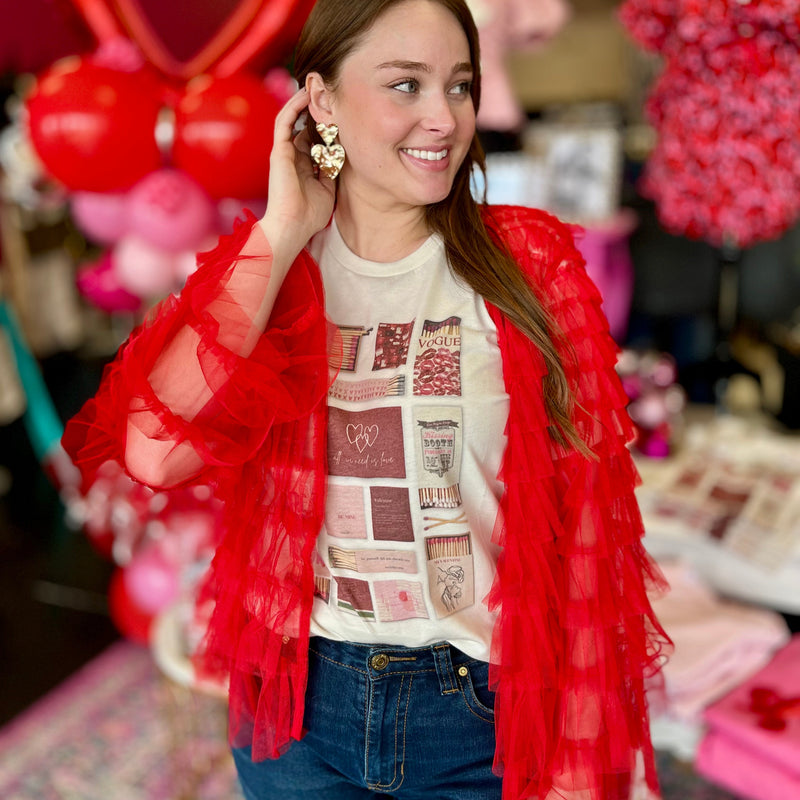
x=403, y=107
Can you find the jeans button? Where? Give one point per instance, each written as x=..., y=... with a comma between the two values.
x=379, y=661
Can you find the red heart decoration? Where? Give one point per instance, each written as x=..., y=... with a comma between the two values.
x=247, y=31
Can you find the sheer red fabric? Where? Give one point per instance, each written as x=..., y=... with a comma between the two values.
x=261, y=437
x=576, y=637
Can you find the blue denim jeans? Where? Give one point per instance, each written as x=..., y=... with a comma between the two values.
x=405, y=723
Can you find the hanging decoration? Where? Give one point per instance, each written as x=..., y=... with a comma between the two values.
x=726, y=110
x=657, y=400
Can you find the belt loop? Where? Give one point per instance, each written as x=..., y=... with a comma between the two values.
x=444, y=668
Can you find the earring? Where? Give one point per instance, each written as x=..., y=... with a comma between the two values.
x=329, y=157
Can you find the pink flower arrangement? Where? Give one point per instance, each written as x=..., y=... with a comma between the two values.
x=726, y=165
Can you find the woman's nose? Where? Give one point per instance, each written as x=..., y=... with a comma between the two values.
x=439, y=115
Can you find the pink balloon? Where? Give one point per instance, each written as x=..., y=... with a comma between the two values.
x=170, y=210
x=185, y=264
x=152, y=582
x=102, y=216
x=99, y=284
x=229, y=209
x=143, y=269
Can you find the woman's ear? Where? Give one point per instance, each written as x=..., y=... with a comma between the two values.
x=320, y=98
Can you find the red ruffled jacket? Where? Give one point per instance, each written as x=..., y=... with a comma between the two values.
x=576, y=637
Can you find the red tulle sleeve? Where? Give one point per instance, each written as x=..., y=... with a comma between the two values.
x=576, y=637
x=253, y=418
x=199, y=374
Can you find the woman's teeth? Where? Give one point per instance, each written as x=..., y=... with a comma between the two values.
x=428, y=155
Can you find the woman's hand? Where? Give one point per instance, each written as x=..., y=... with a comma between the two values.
x=299, y=203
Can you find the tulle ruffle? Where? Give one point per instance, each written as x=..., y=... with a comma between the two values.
x=261, y=585
x=576, y=637
x=262, y=440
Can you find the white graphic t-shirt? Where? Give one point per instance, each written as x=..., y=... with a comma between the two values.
x=416, y=435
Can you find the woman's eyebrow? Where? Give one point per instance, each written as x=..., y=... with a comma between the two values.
x=419, y=66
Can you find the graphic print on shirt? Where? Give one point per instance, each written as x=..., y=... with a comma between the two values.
x=451, y=575
x=322, y=578
x=366, y=444
x=353, y=595
x=345, y=516
x=371, y=389
x=438, y=452
x=437, y=366
x=440, y=521
x=373, y=560
x=391, y=514
x=398, y=600
x=391, y=344
x=344, y=352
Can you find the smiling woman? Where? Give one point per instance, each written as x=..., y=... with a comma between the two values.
x=402, y=101
x=430, y=582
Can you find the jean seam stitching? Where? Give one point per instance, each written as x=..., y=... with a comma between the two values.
x=339, y=663
x=401, y=673
x=466, y=686
x=394, y=783
x=368, y=730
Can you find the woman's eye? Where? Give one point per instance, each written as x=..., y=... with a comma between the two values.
x=409, y=86
x=461, y=88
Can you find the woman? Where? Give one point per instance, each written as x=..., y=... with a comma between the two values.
x=431, y=558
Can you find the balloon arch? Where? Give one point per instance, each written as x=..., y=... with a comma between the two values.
x=156, y=154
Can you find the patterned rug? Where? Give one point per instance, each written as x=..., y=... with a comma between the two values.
x=119, y=730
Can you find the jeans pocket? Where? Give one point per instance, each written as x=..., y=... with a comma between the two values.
x=473, y=679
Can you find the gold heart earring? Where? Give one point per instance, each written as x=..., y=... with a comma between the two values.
x=329, y=157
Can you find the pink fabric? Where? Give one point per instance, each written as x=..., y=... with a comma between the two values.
x=609, y=264
x=729, y=763
x=718, y=644
x=739, y=752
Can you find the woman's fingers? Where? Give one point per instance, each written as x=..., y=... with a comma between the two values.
x=302, y=141
x=286, y=118
x=299, y=204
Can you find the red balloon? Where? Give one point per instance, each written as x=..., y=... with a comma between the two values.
x=93, y=127
x=131, y=621
x=223, y=134
x=151, y=580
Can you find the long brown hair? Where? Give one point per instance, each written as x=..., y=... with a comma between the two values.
x=333, y=30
